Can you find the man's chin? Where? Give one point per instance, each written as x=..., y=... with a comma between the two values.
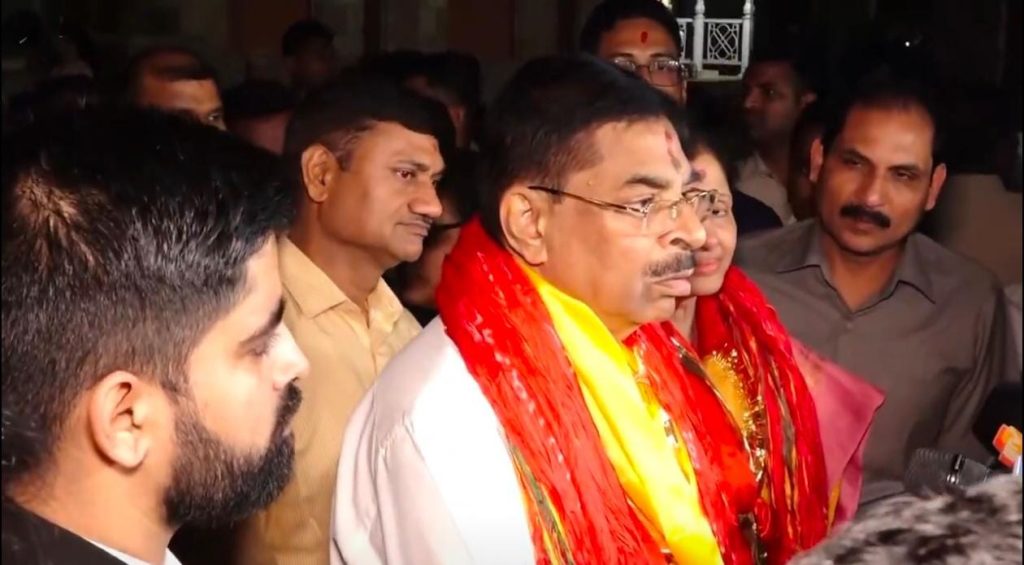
x=408, y=253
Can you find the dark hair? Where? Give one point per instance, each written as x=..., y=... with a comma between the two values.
x=696, y=138
x=53, y=96
x=540, y=127
x=812, y=116
x=458, y=185
x=455, y=76
x=606, y=15
x=126, y=235
x=145, y=63
x=397, y=65
x=798, y=57
x=888, y=94
x=353, y=104
x=257, y=98
x=301, y=33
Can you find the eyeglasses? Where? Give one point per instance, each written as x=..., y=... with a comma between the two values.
x=662, y=72
x=657, y=216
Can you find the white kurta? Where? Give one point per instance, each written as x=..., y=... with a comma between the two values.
x=425, y=476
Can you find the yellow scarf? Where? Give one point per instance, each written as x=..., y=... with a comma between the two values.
x=658, y=477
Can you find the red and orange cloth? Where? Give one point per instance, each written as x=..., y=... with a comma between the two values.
x=628, y=450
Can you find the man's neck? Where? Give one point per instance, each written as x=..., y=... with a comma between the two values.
x=684, y=316
x=775, y=155
x=112, y=515
x=858, y=278
x=354, y=270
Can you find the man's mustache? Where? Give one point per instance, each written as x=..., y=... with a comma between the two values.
x=858, y=212
x=671, y=266
x=289, y=405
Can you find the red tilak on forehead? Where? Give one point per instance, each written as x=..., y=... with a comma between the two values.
x=643, y=37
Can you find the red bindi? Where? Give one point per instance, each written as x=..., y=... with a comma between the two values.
x=643, y=37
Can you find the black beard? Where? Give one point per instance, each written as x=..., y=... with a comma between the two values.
x=214, y=484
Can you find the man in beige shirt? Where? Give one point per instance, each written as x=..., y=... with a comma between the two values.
x=367, y=158
x=925, y=325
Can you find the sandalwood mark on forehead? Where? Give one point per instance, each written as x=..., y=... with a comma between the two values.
x=643, y=37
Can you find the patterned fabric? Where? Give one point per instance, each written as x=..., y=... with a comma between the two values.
x=506, y=336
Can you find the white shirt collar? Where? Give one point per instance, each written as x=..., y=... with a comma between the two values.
x=169, y=558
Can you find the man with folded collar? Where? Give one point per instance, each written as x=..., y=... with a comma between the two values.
x=552, y=414
x=364, y=157
x=861, y=287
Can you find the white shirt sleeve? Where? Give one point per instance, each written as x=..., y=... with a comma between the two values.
x=438, y=488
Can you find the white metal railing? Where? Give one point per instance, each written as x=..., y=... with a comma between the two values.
x=717, y=41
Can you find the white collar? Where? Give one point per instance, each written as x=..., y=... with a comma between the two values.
x=169, y=558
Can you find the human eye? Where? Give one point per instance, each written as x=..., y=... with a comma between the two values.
x=664, y=65
x=623, y=63
x=644, y=205
x=720, y=210
x=405, y=174
x=262, y=348
x=905, y=176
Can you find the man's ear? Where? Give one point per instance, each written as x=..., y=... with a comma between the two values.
x=122, y=416
x=935, y=188
x=817, y=159
x=807, y=98
x=523, y=214
x=318, y=166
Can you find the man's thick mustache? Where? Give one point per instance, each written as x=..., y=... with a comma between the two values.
x=671, y=266
x=858, y=212
x=290, y=403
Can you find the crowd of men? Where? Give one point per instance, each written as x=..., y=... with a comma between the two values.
x=361, y=319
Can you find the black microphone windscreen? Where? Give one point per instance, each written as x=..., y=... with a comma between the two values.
x=935, y=472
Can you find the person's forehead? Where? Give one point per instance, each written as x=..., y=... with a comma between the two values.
x=181, y=94
x=169, y=59
x=396, y=140
x=711, y=172
x=625, y=149
x=770, y=72
x=316, y=46
x=888, y=134
x=637, y=36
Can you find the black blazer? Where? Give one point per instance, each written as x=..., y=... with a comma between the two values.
x=30, y=540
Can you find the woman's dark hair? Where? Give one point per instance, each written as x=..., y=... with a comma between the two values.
x=697, y=138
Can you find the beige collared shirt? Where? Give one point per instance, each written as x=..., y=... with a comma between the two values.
x=757, y=180
x=935, y=341
x=345, y=356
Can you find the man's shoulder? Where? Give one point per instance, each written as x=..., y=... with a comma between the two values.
x=953, y=273
x=767, y=251
x=426, y=381
x=30, y=540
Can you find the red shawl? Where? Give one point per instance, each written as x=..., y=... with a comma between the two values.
x=506, y=338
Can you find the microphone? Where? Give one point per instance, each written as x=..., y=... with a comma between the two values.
x=940, y=472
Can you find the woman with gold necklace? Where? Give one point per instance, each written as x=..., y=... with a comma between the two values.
x=756, y=370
